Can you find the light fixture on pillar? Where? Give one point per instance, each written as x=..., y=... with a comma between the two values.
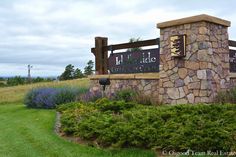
x=178, y=46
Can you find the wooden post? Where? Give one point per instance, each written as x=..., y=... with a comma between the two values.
x=101, y=55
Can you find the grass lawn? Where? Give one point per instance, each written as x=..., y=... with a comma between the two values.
x=29, y=132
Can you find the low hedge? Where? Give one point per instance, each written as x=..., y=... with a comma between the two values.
x=181, y=127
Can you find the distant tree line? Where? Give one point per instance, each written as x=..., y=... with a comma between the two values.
x=18, y=80
x=71, y=73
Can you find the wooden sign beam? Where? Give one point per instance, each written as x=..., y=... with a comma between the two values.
x=101, y=64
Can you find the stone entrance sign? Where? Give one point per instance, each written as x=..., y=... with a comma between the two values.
x=194, y=63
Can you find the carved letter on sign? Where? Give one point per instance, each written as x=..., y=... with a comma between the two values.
x=177, y=43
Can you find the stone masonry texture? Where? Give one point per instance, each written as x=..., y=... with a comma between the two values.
x=148, y=88
x=203, y=72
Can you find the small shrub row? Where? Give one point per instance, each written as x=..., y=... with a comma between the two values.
x=126, y=95
x=228, y=96
x=125, y=124
x=51, y=97
x=129, y=95
x=2, y=84
x=90, y=96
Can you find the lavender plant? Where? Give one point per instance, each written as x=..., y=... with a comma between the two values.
x=90, y=96
x=51, y=97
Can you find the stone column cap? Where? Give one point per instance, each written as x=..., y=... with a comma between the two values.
x=192, y=19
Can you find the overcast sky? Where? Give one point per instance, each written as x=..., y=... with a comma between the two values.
x=50, y=34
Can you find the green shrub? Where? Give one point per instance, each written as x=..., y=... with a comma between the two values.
x=2, y=84
x=17, y=80
x=228, y=96
x=129, y=95
x=72, y=114
x=69, y=106
x=180, y=127
x=105, y=104
x=143, y=99
x=125, y=94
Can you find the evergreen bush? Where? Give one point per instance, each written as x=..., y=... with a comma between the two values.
x=181, y=127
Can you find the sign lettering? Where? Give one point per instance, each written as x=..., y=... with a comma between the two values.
x=232, y=60
x=142, y=61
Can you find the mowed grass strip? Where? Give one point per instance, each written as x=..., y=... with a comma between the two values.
x=30, y=133
x=16, y=93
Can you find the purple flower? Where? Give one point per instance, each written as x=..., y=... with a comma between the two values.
x=51, y=97
x=90, y=96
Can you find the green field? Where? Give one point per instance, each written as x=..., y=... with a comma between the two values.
x=30, y=132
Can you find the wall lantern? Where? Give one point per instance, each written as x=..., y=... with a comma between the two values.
x=104, y=82
x=178, y=45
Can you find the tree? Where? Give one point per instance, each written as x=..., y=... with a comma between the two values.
x=17, y=80
x=78, y=73
x=68, y=74
x=132, y=40
x=38, y=79
x=88, y=70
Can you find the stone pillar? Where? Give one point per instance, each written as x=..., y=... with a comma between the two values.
x=204, y=70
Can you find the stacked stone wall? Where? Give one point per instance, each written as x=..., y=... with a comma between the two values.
x=205, y=69
x=145, y=87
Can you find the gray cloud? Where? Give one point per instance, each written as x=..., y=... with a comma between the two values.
x=50, y=34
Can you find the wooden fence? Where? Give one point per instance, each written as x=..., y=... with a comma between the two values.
x=101, y=51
